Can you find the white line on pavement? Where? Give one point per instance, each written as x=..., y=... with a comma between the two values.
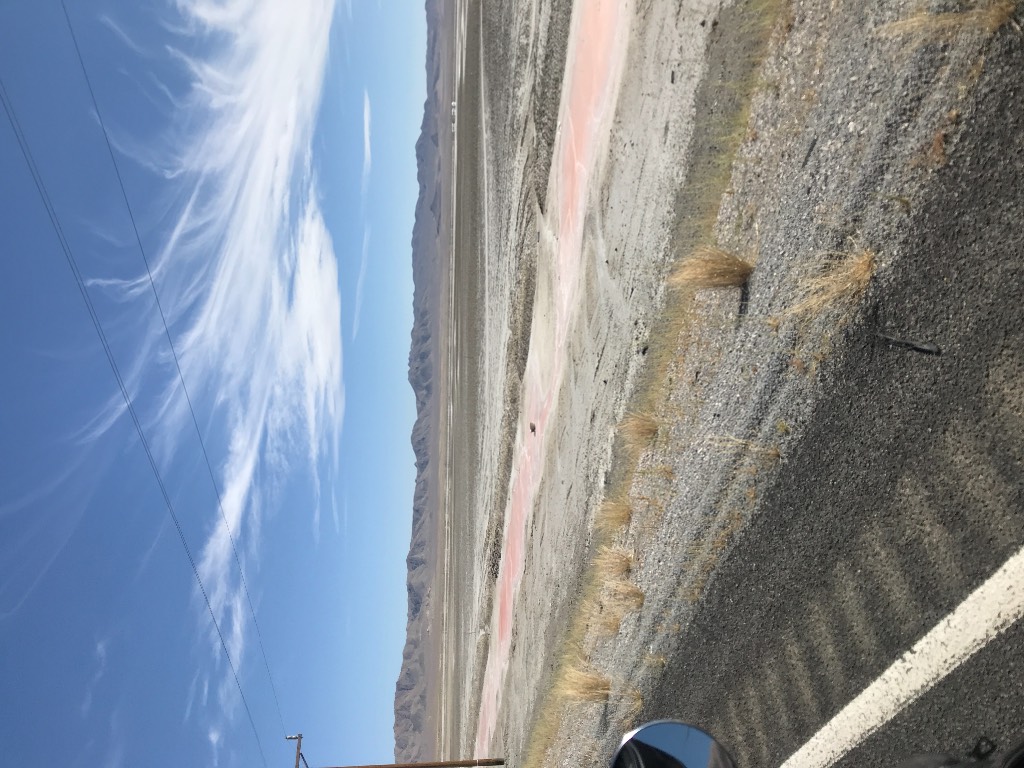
x=989, y=610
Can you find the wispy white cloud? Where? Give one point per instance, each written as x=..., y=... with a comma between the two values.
x=364, y=191
x=45, y=516
x=367, y=154
x=248, y=280
x=360, y=281
x=213, y=736
x=122, y=34
x=148, y=554
x=114, y=756
x=190, y=699
x=334, y=512
x=100, y=654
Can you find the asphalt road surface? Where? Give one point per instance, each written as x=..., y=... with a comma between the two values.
x=902, y=500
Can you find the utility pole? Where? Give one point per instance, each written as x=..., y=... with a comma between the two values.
x=471, y=763
x=298, y=747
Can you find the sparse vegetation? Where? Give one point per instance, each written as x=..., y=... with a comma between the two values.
x=656, y=660
x=619, y=598
x=614, y=562
x=624, y=594
x=613, y=515
x=935, y=155
x=711, y=267
x=611, y=597
x=638, y=429
x=608, y=622
x=580, y=682
x=839, y=286
x=634, y=704
x=986, y=17
x=901, y=201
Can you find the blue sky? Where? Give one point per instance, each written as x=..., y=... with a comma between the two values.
x=267, y=150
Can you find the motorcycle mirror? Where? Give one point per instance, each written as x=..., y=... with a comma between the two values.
x=670, y=744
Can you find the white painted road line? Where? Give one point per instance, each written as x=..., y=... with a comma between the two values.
x=988, y=611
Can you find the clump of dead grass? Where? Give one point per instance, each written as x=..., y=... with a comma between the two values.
x=840, y=284
x=624, y=595
x=543, y=732
x=619, y=597
x=710, y=267
x=607, y=619
x=987, y=18
x=613, y=515
x=634, y=702
x=656, y=660
x=614, y=562
x=638, y=429
x=580, y=682
x=608, y=622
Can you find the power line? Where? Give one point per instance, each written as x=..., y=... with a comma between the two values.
x=174, y=354
x=73, y=265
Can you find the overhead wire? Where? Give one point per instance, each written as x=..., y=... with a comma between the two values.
x=129, y=405
x=174, y=355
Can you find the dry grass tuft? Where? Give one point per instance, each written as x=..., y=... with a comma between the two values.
x=623, y=595
x=634, y=701
x=840, y=285
x=638, y=429
x=988, y=19
x=935, y=155
x=710, y=267
x=581, y=683
x=613, y=515
x=656, y=660
x=614, y=562
x=543, y=733
x=608, y=622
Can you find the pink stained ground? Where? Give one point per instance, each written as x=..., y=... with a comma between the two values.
x=594, y=58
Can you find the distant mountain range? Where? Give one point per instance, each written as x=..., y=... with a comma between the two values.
x=412, y=743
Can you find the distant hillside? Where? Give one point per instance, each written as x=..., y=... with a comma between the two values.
x=410, y=690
